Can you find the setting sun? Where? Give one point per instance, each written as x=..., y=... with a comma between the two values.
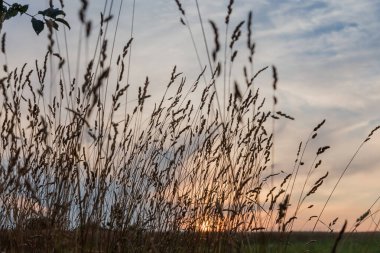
x=205, y=226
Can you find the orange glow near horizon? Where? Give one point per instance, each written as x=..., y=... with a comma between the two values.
x=205, y=226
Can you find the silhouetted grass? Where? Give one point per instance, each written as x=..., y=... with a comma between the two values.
x=88, y=169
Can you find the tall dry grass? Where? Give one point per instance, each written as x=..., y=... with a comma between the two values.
x=88, y=169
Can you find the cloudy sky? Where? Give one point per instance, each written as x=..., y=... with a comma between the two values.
x=327, y=53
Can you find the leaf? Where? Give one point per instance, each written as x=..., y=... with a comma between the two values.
x=51, y=24
x=38, y=25
x=61, y=20
x=55, y=25
x=12, y=11
x=23, y=8
x=3, y=10
x=52, y=13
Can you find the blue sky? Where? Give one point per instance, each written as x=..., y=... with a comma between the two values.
x=327, y=54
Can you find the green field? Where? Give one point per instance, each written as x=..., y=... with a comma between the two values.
x=318, y=242
x=321, y=243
